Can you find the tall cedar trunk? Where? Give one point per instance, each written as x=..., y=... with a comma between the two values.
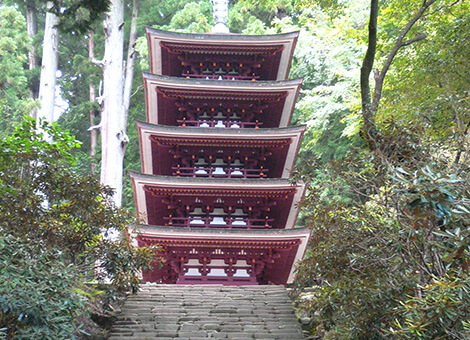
x=116, y=95
x=32, y=28
x=113, y=138
x=93, y=132
x=50, y=59
x=131, y=51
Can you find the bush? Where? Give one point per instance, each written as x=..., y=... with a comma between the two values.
x=38, y=299
x=53, y=228
x=390, y=248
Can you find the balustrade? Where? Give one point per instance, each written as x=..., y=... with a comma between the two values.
x=220, y=114
x=229, y=124
x=220, y=222
x=219, y=172
x=221, y=163
x=197, y=66
x=215, y=213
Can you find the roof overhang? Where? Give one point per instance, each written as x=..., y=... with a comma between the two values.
x=164, y=47
x=163, y=93
x=156, y=141
x=152, y=193
x=293, y=241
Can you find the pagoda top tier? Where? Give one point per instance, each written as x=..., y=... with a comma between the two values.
x=221, y=56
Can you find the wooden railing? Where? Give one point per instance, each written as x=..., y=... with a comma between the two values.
x=220, y=222
x=219, y=172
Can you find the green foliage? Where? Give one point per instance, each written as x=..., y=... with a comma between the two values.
x=391, y=252
x=346, y=258
x=38, y=299
x=54, y=215
x=14, y=44
x=440, y=312
x=429, y=87
x=328, y=60
x=390, y=248
x=255, y=26
x=246, y=13
x=79, y=15
x=195, y=17
x=158, y=14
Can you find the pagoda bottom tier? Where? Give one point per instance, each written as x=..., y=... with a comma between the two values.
x=231, y=257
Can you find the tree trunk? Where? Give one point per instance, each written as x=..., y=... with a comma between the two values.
x=93, y=132
x=113, y=137
x=32, y=28
x=461, y=144
x=50, y=60
x=370, y=129
x=116, y=95
x=131, y=51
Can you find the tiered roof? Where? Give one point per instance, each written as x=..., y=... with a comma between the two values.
x=268, y=203
x=179, y=101
x=173, y=151
x=216, y=154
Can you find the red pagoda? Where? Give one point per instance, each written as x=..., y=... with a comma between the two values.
x=216, y=154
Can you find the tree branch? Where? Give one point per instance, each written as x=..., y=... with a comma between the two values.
x=418, y=37
x=398, y=44
x=95, y=127
x=140, y=87
x=96, y=62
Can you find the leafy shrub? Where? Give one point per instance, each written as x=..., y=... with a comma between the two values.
x=391, y=251
x=37, y=291
x=53, y=233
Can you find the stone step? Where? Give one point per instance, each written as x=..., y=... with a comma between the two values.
x=207, y=311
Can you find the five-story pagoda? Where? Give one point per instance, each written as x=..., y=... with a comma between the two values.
x=216, y=155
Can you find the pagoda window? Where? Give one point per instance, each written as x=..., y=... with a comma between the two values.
x=241, y=273
x=192, y=272
x=220, y=272
x=217, y=108
x=217, y=214
x=222, y=68
x=226, y=208
x=234, y=62
x=227, y=114
x=220, y=265
x=226, y=162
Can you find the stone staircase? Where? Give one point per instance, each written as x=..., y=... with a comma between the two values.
x=207, y=311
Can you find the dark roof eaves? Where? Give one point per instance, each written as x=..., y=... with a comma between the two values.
x=228, y=131
x=225, y=37
x=241, y=83
x=233, y=231
x=234, y=181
